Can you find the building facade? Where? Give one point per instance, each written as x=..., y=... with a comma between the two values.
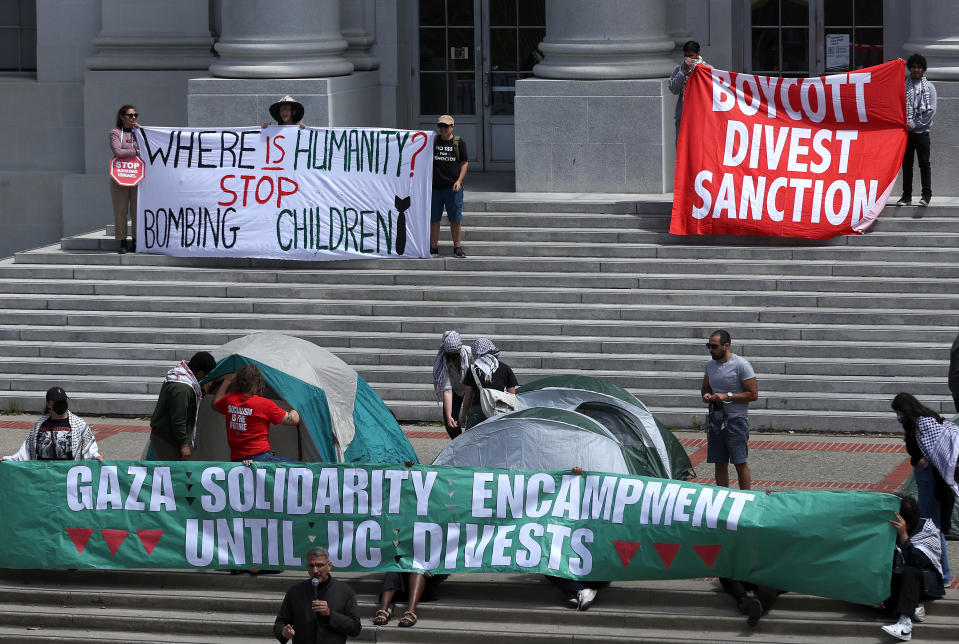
x=570, y=95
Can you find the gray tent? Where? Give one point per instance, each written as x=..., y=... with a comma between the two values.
x=537, y=439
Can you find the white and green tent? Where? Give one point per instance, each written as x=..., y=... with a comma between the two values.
x=344, y=420
x=569, y=421
x=649, y=446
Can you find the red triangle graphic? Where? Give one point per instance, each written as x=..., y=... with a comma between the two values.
x=114, y=538
x=667, y=552
x=149, y=539
x=708, y=553
x=80, y=536
x=626, y=550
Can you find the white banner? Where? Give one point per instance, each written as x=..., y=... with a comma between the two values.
x=285, y=192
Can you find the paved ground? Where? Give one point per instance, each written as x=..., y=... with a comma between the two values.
x=778, y=461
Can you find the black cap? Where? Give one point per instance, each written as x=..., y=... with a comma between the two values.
x=55, y=393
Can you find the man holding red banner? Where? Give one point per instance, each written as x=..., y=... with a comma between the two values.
x=920, y=110
x=787, y=157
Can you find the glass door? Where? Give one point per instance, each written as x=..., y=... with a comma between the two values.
x=801, y=38
x=470, y=53
x=516, y=28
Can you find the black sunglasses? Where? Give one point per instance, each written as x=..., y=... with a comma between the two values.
x=710, y=345
x=444, y=125
x=132, y=116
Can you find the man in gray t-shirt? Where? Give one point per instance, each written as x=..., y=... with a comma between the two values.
x=729, y=385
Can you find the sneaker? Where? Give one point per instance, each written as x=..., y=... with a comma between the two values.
x=586, y=597
x=435, y=250
x=923, y=202
x=900, y=631
x=458, y=252
x=904, y=201
x=574, y=603
x=754, y=608
x=920, y=614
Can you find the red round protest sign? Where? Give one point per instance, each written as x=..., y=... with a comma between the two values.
x=127, y=172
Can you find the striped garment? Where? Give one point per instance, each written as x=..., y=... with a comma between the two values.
x=926, y=540
x=940, y=445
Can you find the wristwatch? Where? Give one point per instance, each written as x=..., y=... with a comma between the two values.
x=729, y=397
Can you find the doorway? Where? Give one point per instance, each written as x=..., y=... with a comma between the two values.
x=468, y=56
x=800, y=38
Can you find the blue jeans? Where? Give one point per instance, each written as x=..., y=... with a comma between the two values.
x=453, y=202
x=929, y=509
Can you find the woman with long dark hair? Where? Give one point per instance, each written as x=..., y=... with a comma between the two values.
x=249, y=415
x=933, y=446
x=123, y=143
x=938, y=439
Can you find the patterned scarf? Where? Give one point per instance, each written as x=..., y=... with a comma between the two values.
x=181, y=373
x=939, y=443
x=926, y=540
x=80, y=436
x=452, y=343
x=485, y=357
x=922, y=101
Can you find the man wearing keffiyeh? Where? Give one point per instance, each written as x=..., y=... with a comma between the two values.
x=452, y=361
x=173, y=423
x=920, y=109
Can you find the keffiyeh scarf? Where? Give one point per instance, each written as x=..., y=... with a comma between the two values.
x=452, y=343
x=926, y=540
x=181, y=373
x=485, y=357
x=940, y=445
x=920, y=100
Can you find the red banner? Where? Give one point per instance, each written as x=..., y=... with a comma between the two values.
x=788, y=157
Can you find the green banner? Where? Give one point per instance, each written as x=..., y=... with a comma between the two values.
x=447, y=520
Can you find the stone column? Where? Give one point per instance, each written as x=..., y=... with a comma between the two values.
x=289, y=39
x=605, y=40
x=676, y=24
x=934, y=33
x=597, y=116
x=358, y=18
x=147, y=35
x=145, y=53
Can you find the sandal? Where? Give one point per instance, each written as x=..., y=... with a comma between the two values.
x=408, y=619
x=382, y=618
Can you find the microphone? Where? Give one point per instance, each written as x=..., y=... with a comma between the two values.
x=315, y=582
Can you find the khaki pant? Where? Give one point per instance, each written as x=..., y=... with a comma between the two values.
x=124, y=200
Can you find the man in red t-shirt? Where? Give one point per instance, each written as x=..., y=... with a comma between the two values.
x=249, y=416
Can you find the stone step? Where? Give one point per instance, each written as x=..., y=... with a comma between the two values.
x=426, y=345
x=689, y=328
x=656, y=391
x=741, y=309
x=508, y=608
x=626, y=273
x=580, y=259
x=451, y=286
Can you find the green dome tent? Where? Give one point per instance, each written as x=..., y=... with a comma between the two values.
x=537, y=438
x=344, y=420
x=649, y=446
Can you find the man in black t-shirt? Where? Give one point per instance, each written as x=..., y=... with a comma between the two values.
x=449, y=170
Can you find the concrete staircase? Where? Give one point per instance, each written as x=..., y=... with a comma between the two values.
x=109, y=607
x=833, y=328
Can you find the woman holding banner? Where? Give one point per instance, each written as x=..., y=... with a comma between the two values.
x=124, y=145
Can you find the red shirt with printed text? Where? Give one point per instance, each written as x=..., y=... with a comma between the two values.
x=248, y=420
